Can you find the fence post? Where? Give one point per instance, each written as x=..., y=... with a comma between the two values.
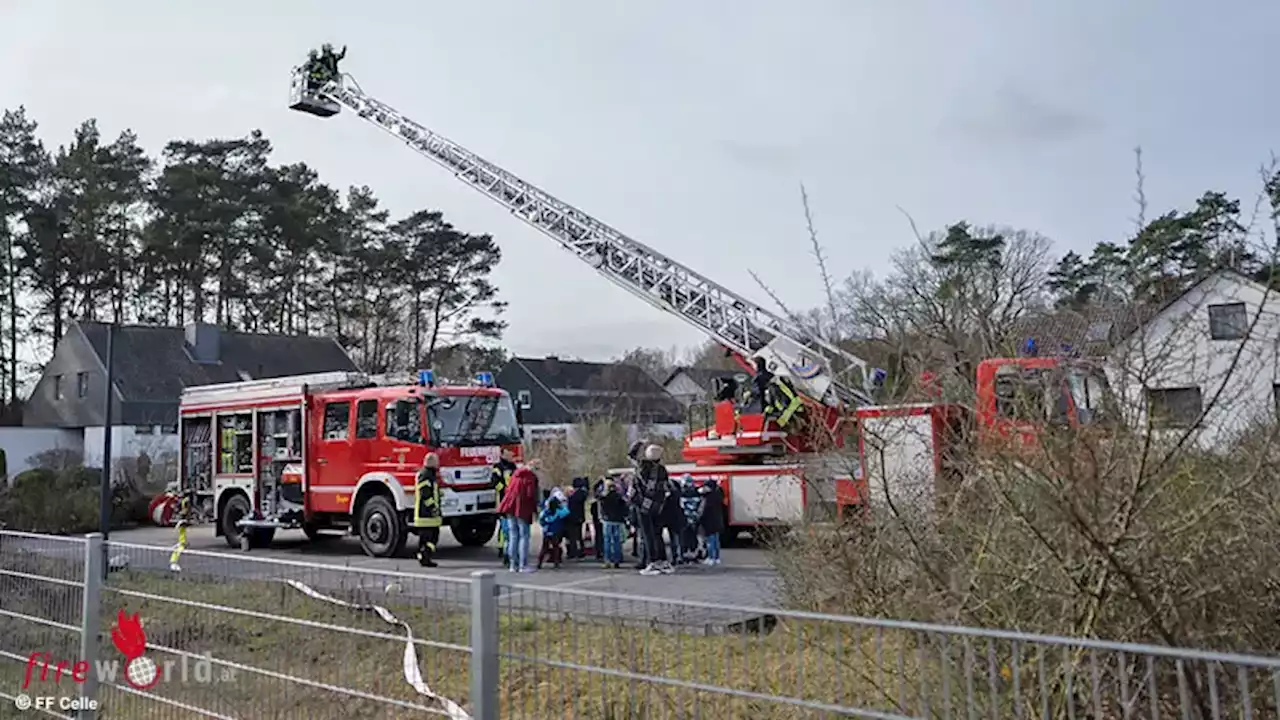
x=91, y=617
x=484, y=645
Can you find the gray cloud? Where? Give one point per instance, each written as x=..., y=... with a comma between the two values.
x=1013, y=115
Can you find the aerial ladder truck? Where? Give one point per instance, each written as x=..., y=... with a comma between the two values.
x=761, y=464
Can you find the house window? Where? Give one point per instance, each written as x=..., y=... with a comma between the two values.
x=82, y=384
x=524, y=398
x=367, y=419
x=1275, y=394
x=337, y=420
x=168, y=429
x=1174, y=407
x=144, y=429
x=57, y=387
x=1228, y=322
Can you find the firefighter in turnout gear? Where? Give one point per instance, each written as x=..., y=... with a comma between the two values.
x=316, y=73
x=426, y=509
x=501, y=478
x=786, y=401
x=778, y=399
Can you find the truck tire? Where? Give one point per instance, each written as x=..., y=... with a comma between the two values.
x=474, y=532
x=382, y=531
x=236, y=509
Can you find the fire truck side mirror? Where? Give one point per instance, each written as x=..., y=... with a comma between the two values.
x=519, y=415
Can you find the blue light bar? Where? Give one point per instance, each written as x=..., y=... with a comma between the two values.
x=426, y=378
x=484, y=379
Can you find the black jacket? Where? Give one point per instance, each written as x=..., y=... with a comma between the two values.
x=713, y=510
x=672, y=513
x=652, y=486
x=501, y=475
x=578, y=506
x=612, y=507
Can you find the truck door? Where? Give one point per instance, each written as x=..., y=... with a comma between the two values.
x=333, y=481
x=403, y=445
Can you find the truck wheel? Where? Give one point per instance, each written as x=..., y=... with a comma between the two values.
x=382, y=532
x=236, y=509
x=474, y=532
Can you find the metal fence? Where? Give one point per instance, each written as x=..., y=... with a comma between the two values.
x=231, y=636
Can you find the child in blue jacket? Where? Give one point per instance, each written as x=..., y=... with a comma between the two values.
x=552, y=519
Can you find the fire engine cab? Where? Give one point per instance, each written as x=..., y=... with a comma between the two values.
x=340, y=451
x=911, y=452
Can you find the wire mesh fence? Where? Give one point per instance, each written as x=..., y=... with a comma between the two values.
x=41, y=598
x=235, y=636
x=614, y=656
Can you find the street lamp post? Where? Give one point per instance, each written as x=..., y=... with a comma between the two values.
x=104, y=492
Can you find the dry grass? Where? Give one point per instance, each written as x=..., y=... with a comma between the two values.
x=637, y=665
x=817, y=662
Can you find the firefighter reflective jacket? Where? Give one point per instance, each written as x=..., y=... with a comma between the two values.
x=501, y=476
x=426, y=501
x=786, y=401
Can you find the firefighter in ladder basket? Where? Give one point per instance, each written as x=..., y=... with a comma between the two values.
x=778, y=400
x=501, y=478
x=786, y=401
x=426, y=509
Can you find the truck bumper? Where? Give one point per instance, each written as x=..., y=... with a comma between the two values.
x=461, y=503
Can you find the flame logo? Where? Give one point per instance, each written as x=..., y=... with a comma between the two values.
x=131, y=641
x=128, y=636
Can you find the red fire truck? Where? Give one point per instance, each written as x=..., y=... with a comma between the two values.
x=908, y=451
x=339, y=451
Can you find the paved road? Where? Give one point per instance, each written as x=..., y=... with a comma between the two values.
x=743, y=579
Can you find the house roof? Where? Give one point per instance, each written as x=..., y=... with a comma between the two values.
x=584, y=388
x=1096, y=330
x=1092, y=331
x=152, y=363
x=702, y=376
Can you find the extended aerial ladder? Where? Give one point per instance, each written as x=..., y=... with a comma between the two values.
x=819, y=370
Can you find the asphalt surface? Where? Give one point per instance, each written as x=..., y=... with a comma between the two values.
x=579, y=588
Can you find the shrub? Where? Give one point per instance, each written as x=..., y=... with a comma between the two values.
x=63, y=502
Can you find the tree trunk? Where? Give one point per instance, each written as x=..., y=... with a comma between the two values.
x=436, y=311
x=11, y=276
x=416, y=355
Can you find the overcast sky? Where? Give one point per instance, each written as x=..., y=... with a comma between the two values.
x=689, y=125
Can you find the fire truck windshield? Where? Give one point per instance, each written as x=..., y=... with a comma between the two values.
x=471, y=420
x=1091, y=395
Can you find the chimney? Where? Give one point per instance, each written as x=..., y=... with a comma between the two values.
x=552, y=364
x=203, y=342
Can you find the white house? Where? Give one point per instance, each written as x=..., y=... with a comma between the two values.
x=691, y=385
x=1213, y=350
x=152, y=365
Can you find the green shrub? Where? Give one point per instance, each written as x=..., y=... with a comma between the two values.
x=63, y=501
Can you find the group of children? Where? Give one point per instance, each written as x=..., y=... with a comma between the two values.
x=692, y=518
